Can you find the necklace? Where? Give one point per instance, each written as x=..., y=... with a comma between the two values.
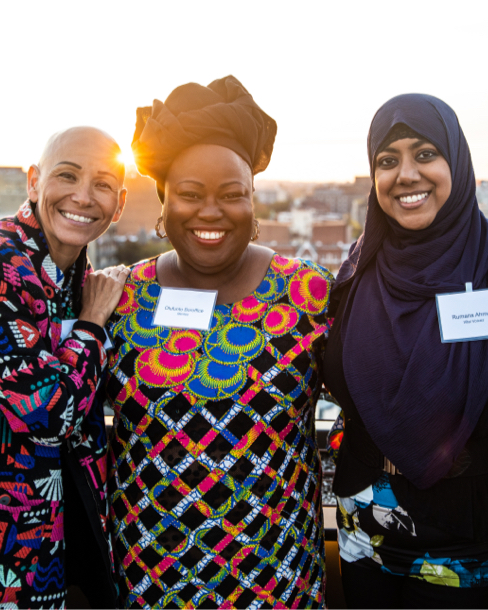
x=67, y=296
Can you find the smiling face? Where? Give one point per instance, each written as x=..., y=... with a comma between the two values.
x=413, y=182
x=208, y=211
x=78, y=188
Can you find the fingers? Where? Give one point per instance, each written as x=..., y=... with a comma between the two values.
x=101, y=293
x=119, y=273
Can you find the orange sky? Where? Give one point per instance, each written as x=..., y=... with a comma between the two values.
x=320, y=68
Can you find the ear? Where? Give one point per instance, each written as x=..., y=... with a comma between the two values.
x=33, y=176
x=121, y=206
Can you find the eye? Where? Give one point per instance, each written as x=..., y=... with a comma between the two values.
x=233, y=196
x=427, y=155
x=386, y=162
x=104, y=185
x=67, y=176
x=190, y=195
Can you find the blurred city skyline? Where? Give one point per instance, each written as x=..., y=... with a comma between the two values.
x=320, y=68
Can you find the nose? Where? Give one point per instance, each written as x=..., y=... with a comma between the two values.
x=408, y=171
x=83, y=195
x=210, y=211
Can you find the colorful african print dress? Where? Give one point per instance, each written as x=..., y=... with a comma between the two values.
x=215, y=482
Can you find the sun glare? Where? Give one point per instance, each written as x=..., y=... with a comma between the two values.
x=126, y=157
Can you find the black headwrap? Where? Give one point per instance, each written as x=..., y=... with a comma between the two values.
x=224, y=113
x=420, y=399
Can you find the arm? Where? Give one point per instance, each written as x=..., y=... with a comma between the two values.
x=42, y=394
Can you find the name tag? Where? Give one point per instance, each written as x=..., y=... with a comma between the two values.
x=184, y=308
x=67, y=327
x=463, y=316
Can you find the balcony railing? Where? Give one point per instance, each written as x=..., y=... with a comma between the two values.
x=326, y=413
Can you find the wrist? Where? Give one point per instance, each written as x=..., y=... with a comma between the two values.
x=93, y=317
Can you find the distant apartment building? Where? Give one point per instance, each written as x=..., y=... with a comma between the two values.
x=304, y=234
x=13, y=190
x=328, y=198
x=340, y=199
x=274, y=232
x=271, y=192
x=103, y=251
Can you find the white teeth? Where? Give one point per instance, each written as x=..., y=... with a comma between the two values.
x=413, y=198
x=78, y=218
x=209, y=234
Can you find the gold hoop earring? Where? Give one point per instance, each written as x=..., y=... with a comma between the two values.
x=255, y=233
x=157, y=227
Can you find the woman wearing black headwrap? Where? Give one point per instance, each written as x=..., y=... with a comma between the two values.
x=215, y=493
x=412, y=404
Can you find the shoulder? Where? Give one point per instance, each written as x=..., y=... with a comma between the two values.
x=13, y=248
x=9, y=233
x=19, y=234
x=261, y=252
x=143, y=271
x=290, y=266
x=309, y=284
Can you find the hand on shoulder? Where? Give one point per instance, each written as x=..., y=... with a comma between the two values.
x=102, y=292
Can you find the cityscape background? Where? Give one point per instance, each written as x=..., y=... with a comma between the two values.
x=315, y=221
x=320, y=68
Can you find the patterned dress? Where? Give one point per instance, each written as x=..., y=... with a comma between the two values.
x=376, y=531
x=215, y=482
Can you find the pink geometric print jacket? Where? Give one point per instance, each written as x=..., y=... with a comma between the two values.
x=51, y=419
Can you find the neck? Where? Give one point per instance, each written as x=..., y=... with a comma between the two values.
x=212, y=280
x=63, y=260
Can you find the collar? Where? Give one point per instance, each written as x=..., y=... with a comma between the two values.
x=34, y=240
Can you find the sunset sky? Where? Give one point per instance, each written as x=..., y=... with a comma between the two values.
x=320, y=68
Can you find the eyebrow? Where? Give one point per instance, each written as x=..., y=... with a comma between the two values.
x=413, y=146
x=79, y=167
x=68, y=163
x=202, y=185
x=108, y=174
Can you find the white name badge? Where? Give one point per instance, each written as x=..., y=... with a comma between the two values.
x=463, y=316
x=184, y=308
x=67, y=327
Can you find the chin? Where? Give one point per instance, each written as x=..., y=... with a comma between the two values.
x=415, y=224
x=78, y=241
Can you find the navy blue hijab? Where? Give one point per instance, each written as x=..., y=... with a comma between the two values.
x=419, y=399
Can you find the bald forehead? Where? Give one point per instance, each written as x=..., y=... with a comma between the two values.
x=87, y=143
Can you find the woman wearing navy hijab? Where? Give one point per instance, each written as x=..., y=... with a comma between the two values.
x=412, y=468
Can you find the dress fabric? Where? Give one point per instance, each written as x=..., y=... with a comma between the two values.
x=47, y=400
x=374, y=529
x=216, y=479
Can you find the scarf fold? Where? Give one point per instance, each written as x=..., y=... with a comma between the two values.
x=419, y=399
x=224, y=113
